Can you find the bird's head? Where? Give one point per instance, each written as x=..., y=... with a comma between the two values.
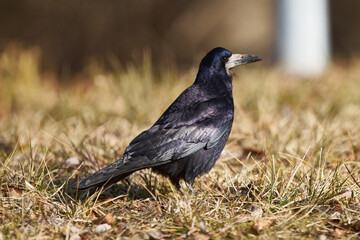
x=220, y=60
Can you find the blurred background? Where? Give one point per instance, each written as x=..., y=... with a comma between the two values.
x=69, y=34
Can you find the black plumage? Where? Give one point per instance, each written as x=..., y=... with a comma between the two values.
x=188, y=138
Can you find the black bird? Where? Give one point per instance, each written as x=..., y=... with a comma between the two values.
x=188, y=138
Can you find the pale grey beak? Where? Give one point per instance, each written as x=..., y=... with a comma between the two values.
x=240, y=59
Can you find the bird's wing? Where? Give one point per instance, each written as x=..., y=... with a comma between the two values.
x=194, y=127
x=171, y=144
x=168, y=141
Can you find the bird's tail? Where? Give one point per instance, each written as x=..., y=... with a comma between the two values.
x=114, y=172
x=104, y=177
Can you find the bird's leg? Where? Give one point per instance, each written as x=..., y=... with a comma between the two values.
x=189, y=185
x=178, y=186
x=184, y=192
x=176, y=183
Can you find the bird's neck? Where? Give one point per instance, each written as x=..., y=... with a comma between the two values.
x=218, y=82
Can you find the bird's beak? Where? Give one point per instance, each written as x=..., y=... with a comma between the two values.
x=240, y=59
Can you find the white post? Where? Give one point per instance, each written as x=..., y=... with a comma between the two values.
x=304, y=45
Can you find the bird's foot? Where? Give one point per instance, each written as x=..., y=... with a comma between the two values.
x=191, y=189
x=182, y=189
x=184, y=192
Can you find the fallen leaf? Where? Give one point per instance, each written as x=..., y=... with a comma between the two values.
x=13, y=192
x=155, y=234
x=74, y=233
x=109, y=219
x=73, y=161
x=202, y=227
x=200, y=236
x=344, y=195
x=339, y=233
x=322, y=237
x=335, y=215
x=261, y=224
x=102, y=228
x=140, y=236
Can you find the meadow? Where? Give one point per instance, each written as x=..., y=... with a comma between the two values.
x=290, y=169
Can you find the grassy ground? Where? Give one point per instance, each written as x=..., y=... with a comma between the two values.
x=290, y=168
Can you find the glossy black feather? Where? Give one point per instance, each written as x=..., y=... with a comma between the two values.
x=188, y=138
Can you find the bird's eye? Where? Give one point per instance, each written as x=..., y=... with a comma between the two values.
x=224, y=59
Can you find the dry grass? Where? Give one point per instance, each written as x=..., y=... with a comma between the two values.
x=290, y=168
